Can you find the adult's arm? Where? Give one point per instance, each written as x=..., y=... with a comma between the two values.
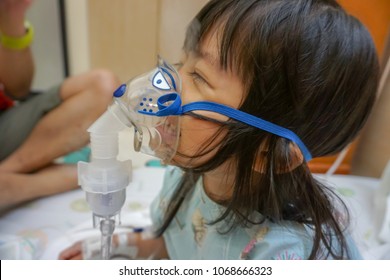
x=16, y=66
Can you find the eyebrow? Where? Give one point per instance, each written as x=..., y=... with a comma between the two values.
x=210, y=59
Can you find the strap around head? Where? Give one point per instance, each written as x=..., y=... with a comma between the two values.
x=175, y=108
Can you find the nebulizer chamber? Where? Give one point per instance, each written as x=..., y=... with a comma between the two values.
x=105, y=178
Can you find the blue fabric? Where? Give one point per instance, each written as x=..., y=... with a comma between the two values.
x=190, y=237
x=83, y=154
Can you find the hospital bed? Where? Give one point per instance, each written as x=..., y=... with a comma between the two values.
x=42, y=228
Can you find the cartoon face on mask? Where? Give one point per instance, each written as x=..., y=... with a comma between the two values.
x=136, y=105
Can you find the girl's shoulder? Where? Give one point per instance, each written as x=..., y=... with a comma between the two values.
x=288, y=241
x=274, y=241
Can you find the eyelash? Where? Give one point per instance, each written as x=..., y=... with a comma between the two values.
x=197, y=78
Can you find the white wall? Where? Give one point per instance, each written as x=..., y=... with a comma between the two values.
x=47, y=46
x=77, y=36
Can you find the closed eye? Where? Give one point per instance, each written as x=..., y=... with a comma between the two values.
x=198, y=79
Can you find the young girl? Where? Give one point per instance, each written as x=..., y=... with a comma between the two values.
x=244, y=191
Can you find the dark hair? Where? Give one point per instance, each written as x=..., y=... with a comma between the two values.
x=307, y=66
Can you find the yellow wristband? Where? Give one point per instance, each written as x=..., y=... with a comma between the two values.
x=18, y=43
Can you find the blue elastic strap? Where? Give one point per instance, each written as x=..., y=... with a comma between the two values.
x=175, y=108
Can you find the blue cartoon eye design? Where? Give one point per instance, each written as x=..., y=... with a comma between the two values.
x=160, y=82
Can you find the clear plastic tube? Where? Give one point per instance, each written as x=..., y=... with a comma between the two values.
x=107, y=227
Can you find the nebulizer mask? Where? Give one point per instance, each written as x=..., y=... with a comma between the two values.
x=136, y=105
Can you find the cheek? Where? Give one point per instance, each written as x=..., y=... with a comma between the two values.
x=194, y=135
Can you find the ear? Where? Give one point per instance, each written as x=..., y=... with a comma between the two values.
x=296, y=158
x=285, y=165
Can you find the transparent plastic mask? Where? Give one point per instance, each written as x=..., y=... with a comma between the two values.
x=153, y=135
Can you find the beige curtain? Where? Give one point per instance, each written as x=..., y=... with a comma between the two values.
x=126, y=35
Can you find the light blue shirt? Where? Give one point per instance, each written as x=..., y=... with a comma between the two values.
x=190, y=236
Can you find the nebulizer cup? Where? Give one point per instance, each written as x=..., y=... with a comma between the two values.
x=105, y=178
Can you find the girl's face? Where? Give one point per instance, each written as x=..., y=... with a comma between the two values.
x=204, y=80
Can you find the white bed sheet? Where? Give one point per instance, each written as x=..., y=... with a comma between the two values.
x=359, y=195
x=42, y=228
